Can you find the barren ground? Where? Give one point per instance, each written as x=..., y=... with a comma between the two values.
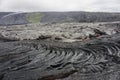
x=67, y=32
x=62, y=51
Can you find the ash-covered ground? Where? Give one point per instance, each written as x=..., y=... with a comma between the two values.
x=60, y=51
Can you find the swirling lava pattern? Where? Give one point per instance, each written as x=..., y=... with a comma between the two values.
x=38, y=60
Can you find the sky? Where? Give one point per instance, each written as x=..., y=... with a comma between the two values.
x=59, y=5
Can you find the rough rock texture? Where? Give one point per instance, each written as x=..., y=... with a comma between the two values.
x=60, y=31
x=97, y=59
x=44, y=52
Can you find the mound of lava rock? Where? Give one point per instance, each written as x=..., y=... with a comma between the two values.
x=63, y=32
x=96, y=59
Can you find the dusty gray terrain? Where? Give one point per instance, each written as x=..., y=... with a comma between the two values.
x=60, y=31
x=60, y=51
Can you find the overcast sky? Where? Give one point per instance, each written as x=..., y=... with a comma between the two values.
x=60, y=5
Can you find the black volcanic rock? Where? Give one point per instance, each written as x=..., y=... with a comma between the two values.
x=49, y=60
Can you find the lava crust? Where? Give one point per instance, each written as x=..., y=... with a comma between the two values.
x=97, y=59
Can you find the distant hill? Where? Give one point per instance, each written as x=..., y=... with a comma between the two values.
x=11, y=18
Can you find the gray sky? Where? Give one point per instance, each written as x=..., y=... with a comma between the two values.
x=60, y=5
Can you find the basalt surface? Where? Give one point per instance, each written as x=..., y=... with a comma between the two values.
x=97, y=59
x=65, y=32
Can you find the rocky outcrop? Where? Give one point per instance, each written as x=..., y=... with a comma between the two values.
x=97, y=59
x=65, y=32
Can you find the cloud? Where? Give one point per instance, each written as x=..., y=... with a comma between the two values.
x=60, y=5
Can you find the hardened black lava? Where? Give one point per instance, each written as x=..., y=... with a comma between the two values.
x=97, y=59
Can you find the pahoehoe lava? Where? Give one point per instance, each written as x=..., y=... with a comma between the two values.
x=97, y=59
